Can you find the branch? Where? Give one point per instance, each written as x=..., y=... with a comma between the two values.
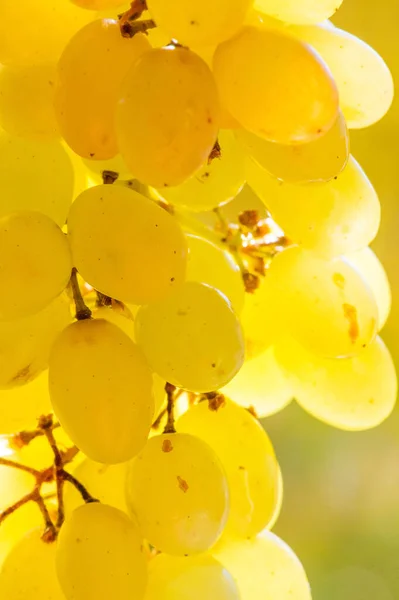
x=79, y=486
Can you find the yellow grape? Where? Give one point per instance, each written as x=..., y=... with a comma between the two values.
x=208, y=263
x=168, y=116
x=192, y=339
x=47, y=182
x=98, y=4
x=303, y=11
x=259, y=92
x=319, y=160
x=219, y=180
x=373, y=272
x=34, y=33
x=35, y=263
x=125, y=245
x=90, y=72
x=116, y=164
x=22, y=406
x=101, y=390
x=264, y=568
x=25, y=343
x=261, y=383
x=364, y=82
x=177, y=490
x=327, y=305
x=331, y=218
x=247, y=457
x=350, y=393
x=99, y=555
x=199, y=22
x=192, y=577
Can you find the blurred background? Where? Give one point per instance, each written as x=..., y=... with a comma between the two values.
x=341, y=505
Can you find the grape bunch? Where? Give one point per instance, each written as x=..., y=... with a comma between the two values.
x=184, y=249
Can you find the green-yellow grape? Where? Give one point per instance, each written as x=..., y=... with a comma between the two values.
x=25, y=343
x=101, y=390
x=29, y=570
x=208, y=263
x=34, y=33
x=319, y=160
x=90, y=72
x=177, y=490
x=193, y=338
x=189, y=578
x=332, y=218
x=258, y=92
x=303, y=12
x=247, y=457
x=48, y=177
x=99, y=555
x=264, y=568
x=125, y=245
x=219, y=180
x=35, y=263
x=349, y=393
x=168, y=116
x=21, y=406
x=327, y=305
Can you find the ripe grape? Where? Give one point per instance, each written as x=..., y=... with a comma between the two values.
x=125, y=245
x=35, y=263
x=99, y=555
x=193, y=339
x=168, y=116
x=101, y=390
x=178, y=491
x=250, y=82
x=21, y=406
x=305, y=11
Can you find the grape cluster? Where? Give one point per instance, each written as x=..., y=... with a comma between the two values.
x=183, y=249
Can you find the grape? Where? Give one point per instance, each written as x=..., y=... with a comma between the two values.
x=90, y=72
x=35, y=263
x=25, y=343
x=22, y=406
x=34, y=119
x=217, y=182
x=319, y=160
x=98, y=4
x=326, y=304
x=178, y=491
x=333, y=218
x=305, y=11
x=34, y=33
x=189, y=578
x=99, y=555
x=193, y=339
x=125, y=245
x=250, y=83
x=207, y=263
x=47, y=182
x=168, y=116
x=354, y=393
x=101, y=390
x=247, y=456
x=264, y=568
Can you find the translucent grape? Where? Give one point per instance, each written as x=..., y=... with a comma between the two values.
x=218, y=181
x=90, y=72
x=35, y=263
x=101, y=390
x=354, y=393
x=332, y=218
x=192, y=577
x=247, y=456
x=326, y=304
x=168, y=116
x=25, y=343
x=258, y=91
x=305, y=11
x=178, y=491
x=99, y=555
x=209, y=264
x=193, y=339
x=23, y=405
x=264, y=568
x=125, y=245
x=47, y=182
x=319, y=160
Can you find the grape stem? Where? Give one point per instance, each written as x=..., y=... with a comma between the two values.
x=82, y=311
x=170, y=409
x=87, y=497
